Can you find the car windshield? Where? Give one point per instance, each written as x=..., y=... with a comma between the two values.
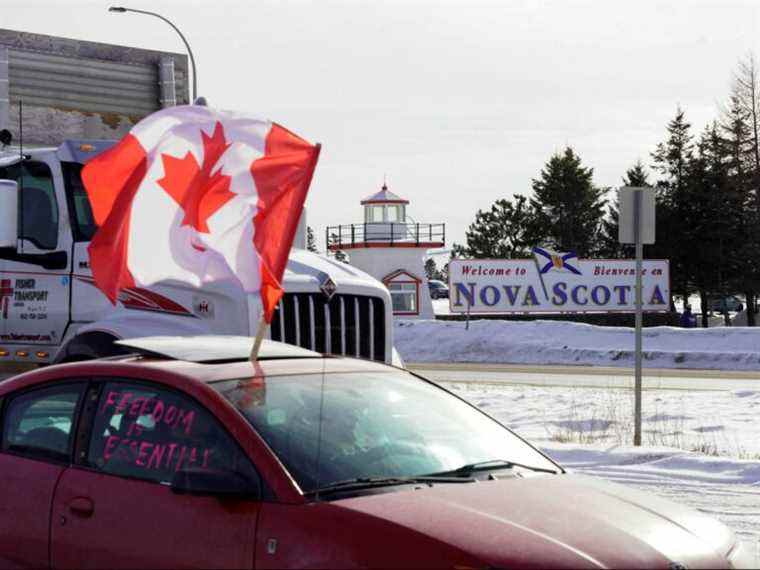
x=381, y=424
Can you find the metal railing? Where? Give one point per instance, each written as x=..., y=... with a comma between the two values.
x=393, y=233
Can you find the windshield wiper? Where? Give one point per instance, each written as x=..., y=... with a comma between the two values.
x=492, y=464
x=370, y=482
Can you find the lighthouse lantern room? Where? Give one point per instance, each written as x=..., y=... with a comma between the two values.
x=391, y=246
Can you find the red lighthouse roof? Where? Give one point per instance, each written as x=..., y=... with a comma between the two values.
x=385, y=196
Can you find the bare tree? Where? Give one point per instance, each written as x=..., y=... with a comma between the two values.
x=746, y=93
x=741, y=130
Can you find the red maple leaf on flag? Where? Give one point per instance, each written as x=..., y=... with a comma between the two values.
x=197, y=191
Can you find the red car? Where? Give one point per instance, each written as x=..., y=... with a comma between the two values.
x=187, y=455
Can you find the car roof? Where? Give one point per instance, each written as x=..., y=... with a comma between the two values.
x=212, y=358
x=150, y=360
x=270, y=369
x=212, y=348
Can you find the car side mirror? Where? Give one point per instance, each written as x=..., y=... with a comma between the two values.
x=8, y=213
x=194, y=481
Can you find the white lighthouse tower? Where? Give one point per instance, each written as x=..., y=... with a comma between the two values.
x=391, y=247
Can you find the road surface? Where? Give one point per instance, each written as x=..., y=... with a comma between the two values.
x=587, y=376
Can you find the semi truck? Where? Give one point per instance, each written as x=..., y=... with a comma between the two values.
x=51, y=311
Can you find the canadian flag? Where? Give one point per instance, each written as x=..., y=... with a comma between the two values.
x=198, y=195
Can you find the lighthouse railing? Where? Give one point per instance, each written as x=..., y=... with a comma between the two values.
x=385, y=234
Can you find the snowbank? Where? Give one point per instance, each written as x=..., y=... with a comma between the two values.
x=552, y=342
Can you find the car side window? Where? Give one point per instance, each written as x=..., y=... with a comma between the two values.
x=151, y=433
x=40, y=423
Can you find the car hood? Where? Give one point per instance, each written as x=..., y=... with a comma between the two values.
x=564, y=521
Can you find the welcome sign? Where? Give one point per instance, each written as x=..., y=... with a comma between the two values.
x=559, y=283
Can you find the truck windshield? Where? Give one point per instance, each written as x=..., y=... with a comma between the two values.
x=83, y=222
x=370, y=424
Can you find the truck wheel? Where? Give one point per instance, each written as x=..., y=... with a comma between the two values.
x=90, y=346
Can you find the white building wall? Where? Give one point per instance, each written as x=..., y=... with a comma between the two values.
x=381, y=261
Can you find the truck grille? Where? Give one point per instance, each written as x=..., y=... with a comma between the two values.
x=351, y=325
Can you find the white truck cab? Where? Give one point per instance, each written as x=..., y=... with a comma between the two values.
x=51, y=311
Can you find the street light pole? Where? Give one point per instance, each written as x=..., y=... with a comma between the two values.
x=121, y=9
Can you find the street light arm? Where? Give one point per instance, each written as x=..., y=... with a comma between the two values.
x=176, y=29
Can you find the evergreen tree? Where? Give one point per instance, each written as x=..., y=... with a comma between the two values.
x=671, y=161
x=499, y=232
x=338, y=254
x=444, y=273
x=713, y=212
x=609, y=245
x=566, y=208
x=636, y=176
x=672, y=157
x=431, y=270
x=311, y=242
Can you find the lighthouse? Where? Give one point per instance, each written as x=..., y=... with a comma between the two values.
x=391, y=246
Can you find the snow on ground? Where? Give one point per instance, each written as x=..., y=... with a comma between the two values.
x=715, y=422
x=687, y=437
x=441, y=306
x=556, y=342
x=588, y=431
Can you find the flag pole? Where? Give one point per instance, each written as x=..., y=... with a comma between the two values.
x=260, y=333
x=541, y=277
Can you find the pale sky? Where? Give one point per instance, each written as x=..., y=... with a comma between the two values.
x=458, y=103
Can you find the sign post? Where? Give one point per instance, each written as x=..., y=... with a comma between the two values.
x=637, y=215
x=639, y=315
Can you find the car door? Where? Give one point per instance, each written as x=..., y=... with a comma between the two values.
x=35, y=277
x=37, y=434
x=116, y=508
